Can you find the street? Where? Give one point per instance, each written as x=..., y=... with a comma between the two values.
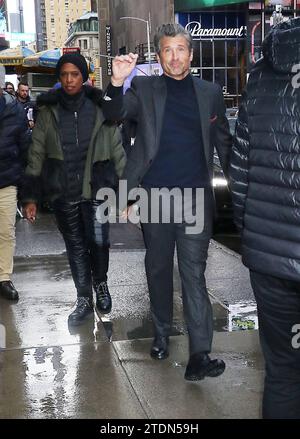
x=40, y=255
x=102, y=369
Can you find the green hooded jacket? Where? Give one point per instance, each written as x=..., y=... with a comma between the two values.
x=45, y=157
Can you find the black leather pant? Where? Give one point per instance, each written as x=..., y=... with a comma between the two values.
x=87, y=242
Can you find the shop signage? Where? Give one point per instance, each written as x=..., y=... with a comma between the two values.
x=19, y=36
x=197, y=32
x=188, y=5
x=71, y=50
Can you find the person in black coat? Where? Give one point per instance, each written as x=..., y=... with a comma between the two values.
x=14, y=140
x=179, y=120
x=265, y=184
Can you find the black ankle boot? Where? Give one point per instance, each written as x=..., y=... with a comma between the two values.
x=201, y=366
x=103, y=299
x=8, y=290
x=160, y=348
x=84, y=308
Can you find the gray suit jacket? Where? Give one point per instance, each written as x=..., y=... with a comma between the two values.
x=144, y=104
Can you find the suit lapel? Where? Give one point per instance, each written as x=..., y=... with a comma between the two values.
x=203, y=100
x=159, y=99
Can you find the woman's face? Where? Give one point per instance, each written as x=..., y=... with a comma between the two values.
x=71, y=79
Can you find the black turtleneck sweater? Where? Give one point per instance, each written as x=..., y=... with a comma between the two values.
x=76, y=123
x=180, y=161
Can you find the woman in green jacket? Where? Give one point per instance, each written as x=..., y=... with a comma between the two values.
x=76, y=152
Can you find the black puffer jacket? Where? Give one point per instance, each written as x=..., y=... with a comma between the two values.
x=265, y=163
x=14, y=141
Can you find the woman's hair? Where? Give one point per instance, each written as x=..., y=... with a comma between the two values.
x=9, y=83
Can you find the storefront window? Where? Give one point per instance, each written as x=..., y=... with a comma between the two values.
x=207, y=74
x=219, y=48
x=231, y=53
x=220, y=52
x=220, y=77
x=206, y=54
x=219, y=20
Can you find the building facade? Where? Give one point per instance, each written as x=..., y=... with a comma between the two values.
x=3, y=25
x=227, y=34
x=84, y=34
x=53, y=18
x=227, y=37
x=120, y=35
x=219, y=45
x=40, y=24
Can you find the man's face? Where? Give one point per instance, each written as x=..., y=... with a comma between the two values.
x=71, y=79
x=23, y=92
x=175, y=57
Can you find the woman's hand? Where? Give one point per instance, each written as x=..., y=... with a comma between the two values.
x=29, y=211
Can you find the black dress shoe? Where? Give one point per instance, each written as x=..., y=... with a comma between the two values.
x=159, y=349
x=84, y=309
x=8, y=290
x=103, y=299
x=201, y=366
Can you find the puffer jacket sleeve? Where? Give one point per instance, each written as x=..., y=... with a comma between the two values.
x=238, y=170
x=23, y=139
x=31, y=190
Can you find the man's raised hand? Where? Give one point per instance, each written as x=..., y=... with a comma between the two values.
x=122, y=66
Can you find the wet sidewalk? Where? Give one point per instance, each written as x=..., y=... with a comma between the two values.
x=102, y=370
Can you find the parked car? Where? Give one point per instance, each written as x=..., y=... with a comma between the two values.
x=222, y=194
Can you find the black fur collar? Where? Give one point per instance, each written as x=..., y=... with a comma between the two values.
x=52, y=96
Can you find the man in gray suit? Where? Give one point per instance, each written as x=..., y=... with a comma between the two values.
x=179, y=120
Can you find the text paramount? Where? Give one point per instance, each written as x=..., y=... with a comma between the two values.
x=195, y=29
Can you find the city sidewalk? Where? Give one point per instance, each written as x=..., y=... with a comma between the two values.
x=102, y=370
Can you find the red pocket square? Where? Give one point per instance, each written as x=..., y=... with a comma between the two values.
x=213, y=118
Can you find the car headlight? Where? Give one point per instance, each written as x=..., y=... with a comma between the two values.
x=219, y=181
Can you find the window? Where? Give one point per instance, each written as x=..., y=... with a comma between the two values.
x=207, y=54
x=219, y=46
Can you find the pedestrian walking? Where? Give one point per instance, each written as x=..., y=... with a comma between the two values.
x=179, y=119
x=23, y=96
x=14, y=141
x=75, y=152
x=265, y=184
x=10, y=88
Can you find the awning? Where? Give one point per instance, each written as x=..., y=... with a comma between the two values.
x=14, y=56
x=46, y=58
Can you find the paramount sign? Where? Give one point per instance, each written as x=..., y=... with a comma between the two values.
x=195, y=29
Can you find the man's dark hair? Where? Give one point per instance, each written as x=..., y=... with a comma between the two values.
x=23, y=83
x=171, y=30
